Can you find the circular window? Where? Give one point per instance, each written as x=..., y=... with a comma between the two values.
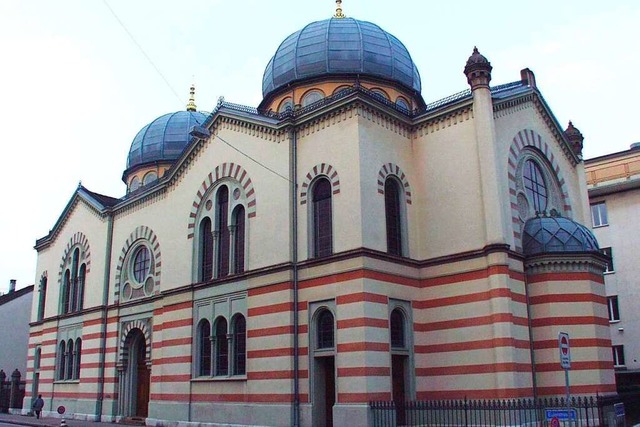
x=141, y=264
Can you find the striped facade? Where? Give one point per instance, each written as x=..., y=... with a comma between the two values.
x=261, y=330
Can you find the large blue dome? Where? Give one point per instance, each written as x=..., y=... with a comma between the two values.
x=340, y=46
x=545, y=234
x=163, y=139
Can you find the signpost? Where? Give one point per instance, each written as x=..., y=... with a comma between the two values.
x=565, y=361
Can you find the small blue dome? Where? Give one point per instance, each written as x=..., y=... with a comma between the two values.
x=556, y=234
x=340, y=46
x=163, y=139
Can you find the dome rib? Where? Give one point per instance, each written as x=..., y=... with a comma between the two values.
x=340, y=47
x=164, y=139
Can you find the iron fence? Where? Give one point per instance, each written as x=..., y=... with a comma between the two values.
x=585, y=411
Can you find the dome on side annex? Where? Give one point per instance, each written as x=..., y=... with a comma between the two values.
x=340, y=46
x=162, y=141
x=544, y=234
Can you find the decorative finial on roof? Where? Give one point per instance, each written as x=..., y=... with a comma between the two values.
x=191, y=105
x=478, y=70
x=575, y=138
x=339, y=13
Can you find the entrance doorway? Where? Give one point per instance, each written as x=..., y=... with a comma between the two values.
x=135, y=385
x=399, y=385
x=324, y=391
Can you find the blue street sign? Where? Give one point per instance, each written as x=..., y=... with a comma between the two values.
x=619, y=409
x=560, y=414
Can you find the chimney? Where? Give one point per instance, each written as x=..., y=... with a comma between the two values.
x=528, y=78
x=12, y=286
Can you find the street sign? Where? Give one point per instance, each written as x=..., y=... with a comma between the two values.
x=560, y=414
x=619, y=409
x=565, y=350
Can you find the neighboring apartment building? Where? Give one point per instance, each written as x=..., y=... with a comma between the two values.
x=15, y=313
x=614, y=194
x=341, y=243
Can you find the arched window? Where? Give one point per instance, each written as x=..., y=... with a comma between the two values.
x=535, y=186
x=397, y=329
x=322, y=218
x=80, y=289
x=78, y=356
x=403, y=103
x=66, y=290
x=149, y=178
x=141, y=264
x=380, y=93
x=393, y=216
x=37, y=358
x=70, y=360
x=204, y=348
x=239, y=345
x=238, y=246
x=73, y=289
x=206, y=250
x=222, y=215
x=286, y=104
x=341, y=89
x=135, y=184
x=222, y=347
x=62, y=359
x=311, y=97
x=42, y=298
x=325, y=330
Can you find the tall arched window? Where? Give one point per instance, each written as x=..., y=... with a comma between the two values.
x=80, y=290
x=73, y=284
x=222, y=215
x=206, y=250
x=239, y=345
x=42, y=300
x=62, y=359
x=73, y=291
x=238, y=246
x=70, y=360
x=393, y=216
x=397, y=329
x=204, y=348
x=322, y=218
x=78, y=357
x=66, y=290
x=325, y=330
x=222, y=347
x=535, y=186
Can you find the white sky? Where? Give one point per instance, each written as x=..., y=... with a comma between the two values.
x=75, y=89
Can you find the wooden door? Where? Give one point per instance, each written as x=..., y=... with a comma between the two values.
x=330, y=389
x=143, y=384
x=399, y=386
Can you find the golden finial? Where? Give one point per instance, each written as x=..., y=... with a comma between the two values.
x=191, y=105
x=338, y=10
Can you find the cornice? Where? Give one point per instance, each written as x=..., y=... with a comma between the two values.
x=585, y=262
x=444, y=119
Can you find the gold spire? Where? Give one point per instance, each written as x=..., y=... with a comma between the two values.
x=191, y=105
x=338, y=10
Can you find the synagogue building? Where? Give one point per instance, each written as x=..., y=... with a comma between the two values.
x=342, y=242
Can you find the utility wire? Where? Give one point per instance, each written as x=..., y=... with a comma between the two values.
x=178, y=96
x=143, y=52
x=254, y=160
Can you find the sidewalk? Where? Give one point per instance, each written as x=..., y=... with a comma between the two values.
x=23, y=420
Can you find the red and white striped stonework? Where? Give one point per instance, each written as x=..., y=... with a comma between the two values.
x=568, y=295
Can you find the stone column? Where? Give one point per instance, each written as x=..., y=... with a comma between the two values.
x=214, y=254
x=14, y=396
x=232, y=249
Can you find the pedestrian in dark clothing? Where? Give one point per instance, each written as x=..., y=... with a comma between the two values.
x=38, y=404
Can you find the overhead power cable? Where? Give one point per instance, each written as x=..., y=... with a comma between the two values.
x=143, y=52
